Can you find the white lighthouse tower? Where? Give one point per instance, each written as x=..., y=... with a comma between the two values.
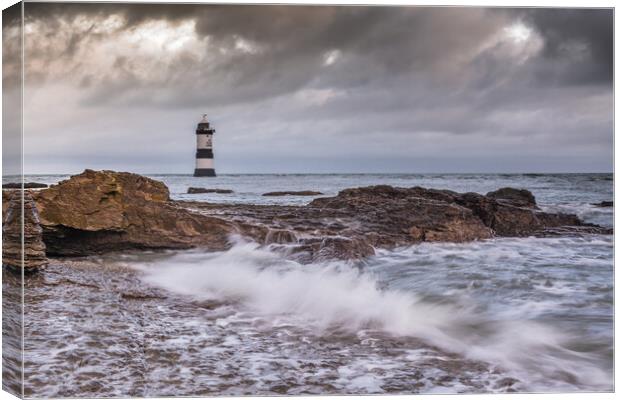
x=204, y=149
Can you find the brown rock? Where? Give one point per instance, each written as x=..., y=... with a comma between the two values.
x=105, y=210
x=512, y=218
x=332, y=248
x=280, y=236
x=515, y=197
x=401, y=216
x=27, y=185
x=33, y=249
x=99, y=211
x=384, y=216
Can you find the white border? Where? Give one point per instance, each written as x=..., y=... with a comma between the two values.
x=481, y=3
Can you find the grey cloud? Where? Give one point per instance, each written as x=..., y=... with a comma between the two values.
x=403, y=76
x=567, y=32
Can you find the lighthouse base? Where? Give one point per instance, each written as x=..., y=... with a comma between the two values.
x=204, y=172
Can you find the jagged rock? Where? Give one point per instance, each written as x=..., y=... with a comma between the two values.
x=390, y=216
x=195, y=190
x=515, y=197
x=604, y=204
x=99, y=211
x=27, y=185
x=33, y=249
x=511, y=217
x=293, y=193
x=385, y=217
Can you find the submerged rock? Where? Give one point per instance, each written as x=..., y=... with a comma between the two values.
x=604, y=204
x=33, y=249
x=334, y=248
x=195, y=190
x=293, y=193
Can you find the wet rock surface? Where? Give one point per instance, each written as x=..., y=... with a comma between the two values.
x=27, y=185
x=604, y=204
x=33, y=250
x=140, y=341
x=515, y=197
x=387, y=217
x=99, y=211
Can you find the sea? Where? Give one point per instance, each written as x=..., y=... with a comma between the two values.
x=500, y=315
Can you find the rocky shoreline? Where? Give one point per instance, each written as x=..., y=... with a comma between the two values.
x=104, y=211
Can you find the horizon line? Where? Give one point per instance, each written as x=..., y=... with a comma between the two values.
x=331, y=173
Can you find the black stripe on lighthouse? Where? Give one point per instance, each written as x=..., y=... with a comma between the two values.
x=204, y=149
x=204, y=172
x=204, y=153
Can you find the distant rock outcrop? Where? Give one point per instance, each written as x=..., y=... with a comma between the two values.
x=604, y=204
x=293, y=193
x=195, y=190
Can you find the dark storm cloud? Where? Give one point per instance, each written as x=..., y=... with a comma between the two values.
x=514, y=76
x=567, y=32
x=385, y=40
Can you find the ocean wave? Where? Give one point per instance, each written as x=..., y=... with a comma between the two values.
x=326, y=298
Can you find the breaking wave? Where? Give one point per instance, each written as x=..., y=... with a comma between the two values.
x=338, y=297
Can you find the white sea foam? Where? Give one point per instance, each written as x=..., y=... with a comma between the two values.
x=332, y=297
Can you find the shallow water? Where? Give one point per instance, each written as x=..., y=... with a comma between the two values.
x=522, y=314
x=499, y=315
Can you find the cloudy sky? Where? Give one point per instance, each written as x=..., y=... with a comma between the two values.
x=317, y=88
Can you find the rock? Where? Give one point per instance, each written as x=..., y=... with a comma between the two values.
x=503, y=218
x=33, y=247
x=195, y=190
x=515, y=197
x=27, y=185
x=280, y=236
x=293, y=193
x=581, y=230
x=6, y=198
x=332, y=248
x=506, y=383
x=604, y=204
x=357, y=220
x=99, y=211
x=385, y=217
x=391, y=216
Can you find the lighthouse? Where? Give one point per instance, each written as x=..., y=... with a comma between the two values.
x=204, y=148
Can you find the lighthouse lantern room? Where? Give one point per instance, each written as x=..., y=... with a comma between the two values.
x=204, y=149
